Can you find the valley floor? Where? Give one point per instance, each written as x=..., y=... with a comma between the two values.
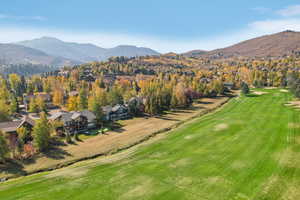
x=249, y=149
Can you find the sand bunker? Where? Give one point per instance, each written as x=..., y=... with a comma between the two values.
x=188, y=137
x=284, y=90
x=221, y=127
x=295, y=104
x=259, y=93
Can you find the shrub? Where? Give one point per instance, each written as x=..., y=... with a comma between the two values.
x=245, y=88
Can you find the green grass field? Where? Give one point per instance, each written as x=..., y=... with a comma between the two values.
x=248, y=150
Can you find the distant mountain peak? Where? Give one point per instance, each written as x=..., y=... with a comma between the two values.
x=48, y=38
x=43, y=39
x=18, y=54
x=289, y=31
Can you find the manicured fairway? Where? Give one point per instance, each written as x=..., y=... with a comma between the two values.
x=250, y=149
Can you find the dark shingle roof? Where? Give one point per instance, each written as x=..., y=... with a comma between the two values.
x=12, y=126
x=69, y=116
x=89, y=115
x=107, y=109
x=66, y=117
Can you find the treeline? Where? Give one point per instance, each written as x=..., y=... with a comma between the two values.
x=25, y=69
x=158, y=93
x=294, y=84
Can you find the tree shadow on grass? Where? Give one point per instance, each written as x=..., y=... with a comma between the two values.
x=13, y=167
x=205, y=102
x=56, y=153
x=118, y=130
x=186, y=110
x=166, y=118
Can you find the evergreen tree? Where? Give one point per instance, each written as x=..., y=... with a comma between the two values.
x=14, y=105
x=95, y=106
x=245, y=88
x=41, y=133
x=115, y=96
x=82, y=100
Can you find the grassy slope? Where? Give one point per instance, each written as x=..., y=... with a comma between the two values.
x=250, y=149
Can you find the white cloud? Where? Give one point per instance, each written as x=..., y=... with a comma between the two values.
x=290, y=11
x=271, y=26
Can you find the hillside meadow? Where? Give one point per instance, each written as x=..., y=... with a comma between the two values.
x=249, y=149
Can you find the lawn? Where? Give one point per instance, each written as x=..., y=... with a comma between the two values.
x=249, y=149
x=90, y=133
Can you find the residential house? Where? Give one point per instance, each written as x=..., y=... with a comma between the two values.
x=75, y=121
x=116, y=112
x=107, y=110
x=87, y=75
x=136, y=105
x=10, y=129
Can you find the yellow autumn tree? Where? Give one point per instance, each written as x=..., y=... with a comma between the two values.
x=72, y=104
x=58, y=97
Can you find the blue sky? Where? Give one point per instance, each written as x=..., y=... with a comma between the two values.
x=165, y=25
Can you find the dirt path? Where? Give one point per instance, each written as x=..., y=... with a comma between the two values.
x=133, y=132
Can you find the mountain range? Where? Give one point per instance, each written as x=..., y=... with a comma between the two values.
x=83, y=52
x=18, y=54
x=274, y=45
x=54, y=52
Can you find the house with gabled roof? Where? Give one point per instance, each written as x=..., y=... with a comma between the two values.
x=116, y=112
x=75, y=120
x=10, y=128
